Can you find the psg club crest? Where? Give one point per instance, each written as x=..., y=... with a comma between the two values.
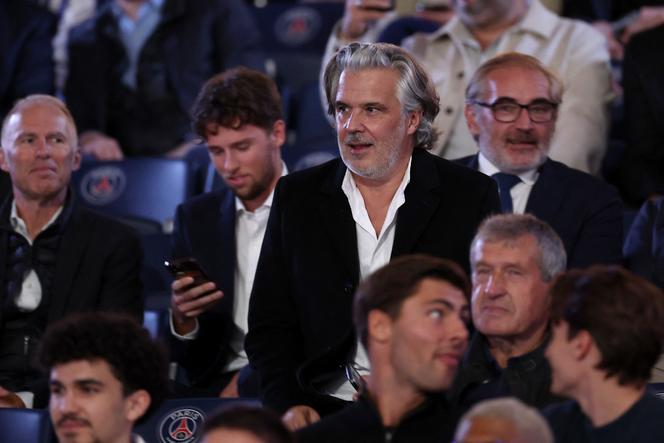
x=296, y=26
x=181, y=426
x=101, y=186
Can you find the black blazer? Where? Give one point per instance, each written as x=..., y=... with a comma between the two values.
x=97, y=268
x=205, y=230
x=300, y=307
x=584, y=211
x=644, y=245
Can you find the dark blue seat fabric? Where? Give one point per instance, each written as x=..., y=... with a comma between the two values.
x=143, y=192
x=182, y=419
x=25, y=426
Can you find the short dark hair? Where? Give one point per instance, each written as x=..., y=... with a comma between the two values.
x=388, y=287
x=623, y=313
x=234, y=98
x=135, y=359
x=260, y=422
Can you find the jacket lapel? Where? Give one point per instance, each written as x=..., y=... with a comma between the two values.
x=337, y=220
x=546, y=196
x=225, y=244
x=421, y=203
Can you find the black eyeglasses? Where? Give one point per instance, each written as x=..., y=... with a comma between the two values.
x=507, y=111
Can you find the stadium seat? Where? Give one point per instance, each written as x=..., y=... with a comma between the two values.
x=142, y=192
x=182, y=419
x=26, y=426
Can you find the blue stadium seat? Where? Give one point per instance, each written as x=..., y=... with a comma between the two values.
x=182, y=419
x=25, y=426
x=143, y=192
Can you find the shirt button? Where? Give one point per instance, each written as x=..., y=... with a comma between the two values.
x=460, y=75
x=449, y=110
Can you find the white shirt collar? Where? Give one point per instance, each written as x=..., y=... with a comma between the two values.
x=18, y=224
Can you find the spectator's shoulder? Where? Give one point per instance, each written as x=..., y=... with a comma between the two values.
x=578, y=180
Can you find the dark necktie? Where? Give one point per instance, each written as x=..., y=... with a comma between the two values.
x=505, y=183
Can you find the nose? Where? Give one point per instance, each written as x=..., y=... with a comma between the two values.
x=64, y=402
x=523, y=120
x=353, y=122
x=230, y=163
x=494, y=286
x=42, y=148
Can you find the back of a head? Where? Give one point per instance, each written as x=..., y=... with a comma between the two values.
x=503, y=419
x=134, y=358
x=623, y=313
x=262, y=425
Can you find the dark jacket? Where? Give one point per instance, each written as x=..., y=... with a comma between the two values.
x=644, y=246
x=584, y=211
x=527, y=377
x=300, y=307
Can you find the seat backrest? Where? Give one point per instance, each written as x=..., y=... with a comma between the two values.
x=147, y=189
x=26, y=426
x=182, y=419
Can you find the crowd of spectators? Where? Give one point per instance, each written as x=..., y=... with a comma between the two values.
x=466, y=270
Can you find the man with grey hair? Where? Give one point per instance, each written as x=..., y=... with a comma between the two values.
x=55, y=257
x=514, y=259
x=332, y=225
x=503, y=419
x=512, y=105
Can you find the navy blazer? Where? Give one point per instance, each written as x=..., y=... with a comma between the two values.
x=585, y=212
x=26, y=66
x=644, y=245
x=300, y=307
x=205, y=229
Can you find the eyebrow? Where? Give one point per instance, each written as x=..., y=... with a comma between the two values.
x=448, y=304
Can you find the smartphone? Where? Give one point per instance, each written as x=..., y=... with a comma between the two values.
x=187, y=267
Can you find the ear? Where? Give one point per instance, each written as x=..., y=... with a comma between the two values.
x=76, y=161
x=414, y=119
x=136, y=404
x=379, y=326
x=583, y=344
x=469, y=111
x=278, y=135
x=3, y=160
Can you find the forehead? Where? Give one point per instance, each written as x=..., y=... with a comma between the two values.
x=521, y=84
x=368, y=86
x=522, y=250
x=79, y=370
x=432, y=290
x=226, y=435
x=221, y=135
x=38, y=117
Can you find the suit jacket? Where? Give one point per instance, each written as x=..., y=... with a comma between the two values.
x=644, y=245
x=205, y=229
x=584, y=211
x=26, y=66
x=195, y=39
x=97, y=269
x=300, y=307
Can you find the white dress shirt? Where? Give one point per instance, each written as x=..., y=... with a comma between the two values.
x=521, y=191
x=374, y=250
x=31, y=290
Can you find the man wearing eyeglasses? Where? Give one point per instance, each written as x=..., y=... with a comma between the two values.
x=511, y=109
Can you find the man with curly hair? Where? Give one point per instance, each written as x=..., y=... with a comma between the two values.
x=106, y=374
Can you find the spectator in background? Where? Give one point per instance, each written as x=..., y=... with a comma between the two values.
x=105, y=375
x=26, y=65
x=482, y=29
x=136, y=67
x=55, y=257
x=512, y=106
x=514, y=260
x=412, y=316
x=245, y=424
x=238, y=114
x=505, y=420
x=608, y=331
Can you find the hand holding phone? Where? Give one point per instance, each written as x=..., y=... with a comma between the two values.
x=187, y=267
